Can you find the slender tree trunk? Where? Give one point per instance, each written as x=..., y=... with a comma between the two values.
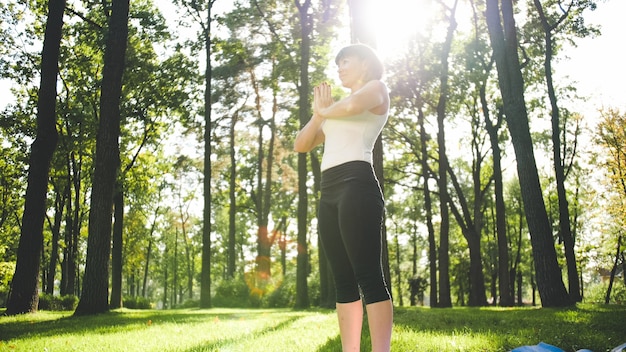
x=24, y=295
x=327, y=282
x=445, y=299
x=504, y=278
x=118, y=245
x=232, y=200
x=432, y=245
x=398, y=271
x=264, y=187
x=165, y=280
x=516, y=270
x=607, y=298
x=304, y=107
x=146, y=268
x=565, y=228
x=205, y=274
x=69, y=282
x=505, y=45
x=94, y=298
x=59, y=202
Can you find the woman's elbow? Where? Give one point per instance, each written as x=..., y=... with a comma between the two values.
x=301, y=148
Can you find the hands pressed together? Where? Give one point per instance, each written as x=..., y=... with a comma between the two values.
x=322, y=99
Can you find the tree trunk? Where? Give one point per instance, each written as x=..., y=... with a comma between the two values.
x=432, y=245
x=24, y=295
x=205, y=274
x=94, y=298
x=607, y=298
x=505, y=45
x=398, y=271
x=55, y=228
x=327, y=283
x=73, y=224
x=445, y=299
x=118, y=244
x=232, y=200
x=477, y=294
x=146, y=268
x=165, y=279
x=504, y=278
x=264, y=188
x=565, y=228
x=304, y=107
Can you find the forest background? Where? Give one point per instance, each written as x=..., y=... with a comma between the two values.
x=211, y=207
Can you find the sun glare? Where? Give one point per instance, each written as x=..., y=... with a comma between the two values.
x=397, y=21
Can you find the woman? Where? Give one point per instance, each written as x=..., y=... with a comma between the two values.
x=351, y=203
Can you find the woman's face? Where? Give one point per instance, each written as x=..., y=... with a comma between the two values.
x=351, y=70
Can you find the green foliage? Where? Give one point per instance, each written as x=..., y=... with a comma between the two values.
x=284, y=296
x=133, y=302
x=6, y=275
x=232, y=293
x=50, y=302
x=597, y=293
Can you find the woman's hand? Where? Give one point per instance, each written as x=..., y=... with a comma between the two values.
x=322, y=98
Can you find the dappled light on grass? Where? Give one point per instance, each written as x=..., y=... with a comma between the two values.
x=502, y=329
x=407, y=340
x=171, y=330
x=596, y=327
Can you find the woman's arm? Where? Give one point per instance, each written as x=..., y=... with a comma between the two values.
x=310, y=136
x=373, y=94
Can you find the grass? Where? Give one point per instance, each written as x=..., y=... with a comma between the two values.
x=599, y=328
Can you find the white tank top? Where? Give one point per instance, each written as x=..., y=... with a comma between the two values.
x=351, y=138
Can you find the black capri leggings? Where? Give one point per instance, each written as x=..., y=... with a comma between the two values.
x=350, y=223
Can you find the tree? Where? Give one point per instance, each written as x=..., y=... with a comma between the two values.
x=304, y=108
x=24, y=295
x=503, y=35
x=95, y=291
x=611, y=137
x=551, y=25
x=201, y=13
x=442, y=171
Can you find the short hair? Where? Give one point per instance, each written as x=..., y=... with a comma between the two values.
x=365, y=53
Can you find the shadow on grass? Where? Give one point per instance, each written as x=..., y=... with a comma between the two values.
x=115, y=321
x=599, y=328
x=595, y=327
x=215, y=345
x=332, y=345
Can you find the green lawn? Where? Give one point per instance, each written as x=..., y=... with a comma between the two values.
x=599, y=328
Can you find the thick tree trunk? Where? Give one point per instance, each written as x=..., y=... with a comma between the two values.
x=24, y=295
x=94, y=298
x=505, y=45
